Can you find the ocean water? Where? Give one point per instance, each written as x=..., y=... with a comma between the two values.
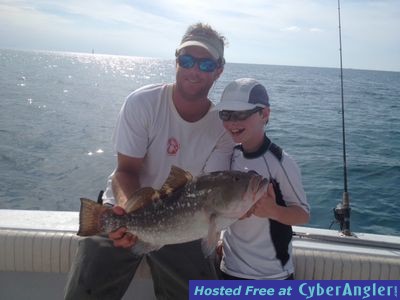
x=58, y=111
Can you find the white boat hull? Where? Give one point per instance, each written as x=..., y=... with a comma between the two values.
x=37, y=248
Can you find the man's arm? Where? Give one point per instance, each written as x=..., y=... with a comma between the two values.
x=126, y=178
x=124, y=183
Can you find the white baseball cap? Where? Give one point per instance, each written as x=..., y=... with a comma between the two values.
x=243, y=94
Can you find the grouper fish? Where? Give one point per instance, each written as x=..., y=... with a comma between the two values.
x=184, y=209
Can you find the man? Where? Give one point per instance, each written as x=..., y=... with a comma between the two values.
x=159, y=126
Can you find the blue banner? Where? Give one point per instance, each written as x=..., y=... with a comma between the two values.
x=294, y=289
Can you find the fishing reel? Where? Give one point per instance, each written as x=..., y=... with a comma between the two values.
x=342, y=215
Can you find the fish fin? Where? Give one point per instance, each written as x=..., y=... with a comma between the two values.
x=209, y=244
x=89, y=216
x=141, y=198
x=146, y=195
x=177, y=178
x=141, y=247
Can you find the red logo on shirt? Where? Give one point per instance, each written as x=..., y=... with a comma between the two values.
x=172, y=146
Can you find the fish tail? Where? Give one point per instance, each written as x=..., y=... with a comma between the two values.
x=89, y=217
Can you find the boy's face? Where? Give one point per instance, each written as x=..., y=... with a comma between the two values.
x=249, y=131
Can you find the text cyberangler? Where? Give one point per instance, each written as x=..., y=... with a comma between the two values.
x=309, y=290
x=347, y=289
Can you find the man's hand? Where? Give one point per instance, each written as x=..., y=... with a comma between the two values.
x=122, y=238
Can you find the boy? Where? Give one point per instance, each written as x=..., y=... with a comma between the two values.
x=258, y=246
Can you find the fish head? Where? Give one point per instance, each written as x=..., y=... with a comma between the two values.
x=232, y=193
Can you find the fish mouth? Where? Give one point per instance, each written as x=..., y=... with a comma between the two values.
x=258, y=183
x=257, y=186
x=263, y=183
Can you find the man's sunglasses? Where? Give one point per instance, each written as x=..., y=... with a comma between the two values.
x=240, y=115
x=187, y=61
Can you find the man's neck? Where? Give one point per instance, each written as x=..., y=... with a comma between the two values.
x=191, y=110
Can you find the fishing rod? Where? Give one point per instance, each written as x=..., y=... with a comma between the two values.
x=342, y=210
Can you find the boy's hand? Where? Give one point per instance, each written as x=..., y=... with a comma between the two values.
x=266, y=207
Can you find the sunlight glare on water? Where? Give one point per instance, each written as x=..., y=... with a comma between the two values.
x=58, y=112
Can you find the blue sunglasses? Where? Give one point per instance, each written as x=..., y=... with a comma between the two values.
x=187, y=61
x=237, y=115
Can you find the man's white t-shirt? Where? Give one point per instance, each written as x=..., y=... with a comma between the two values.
x=149, y=127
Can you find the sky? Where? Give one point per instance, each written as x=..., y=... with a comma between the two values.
x=277, y=32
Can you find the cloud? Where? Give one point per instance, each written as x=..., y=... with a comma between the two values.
x=262, y=31
x=315, y=30
x=291, y=29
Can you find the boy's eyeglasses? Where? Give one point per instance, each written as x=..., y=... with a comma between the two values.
x=187, y=61
x=240, y=115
